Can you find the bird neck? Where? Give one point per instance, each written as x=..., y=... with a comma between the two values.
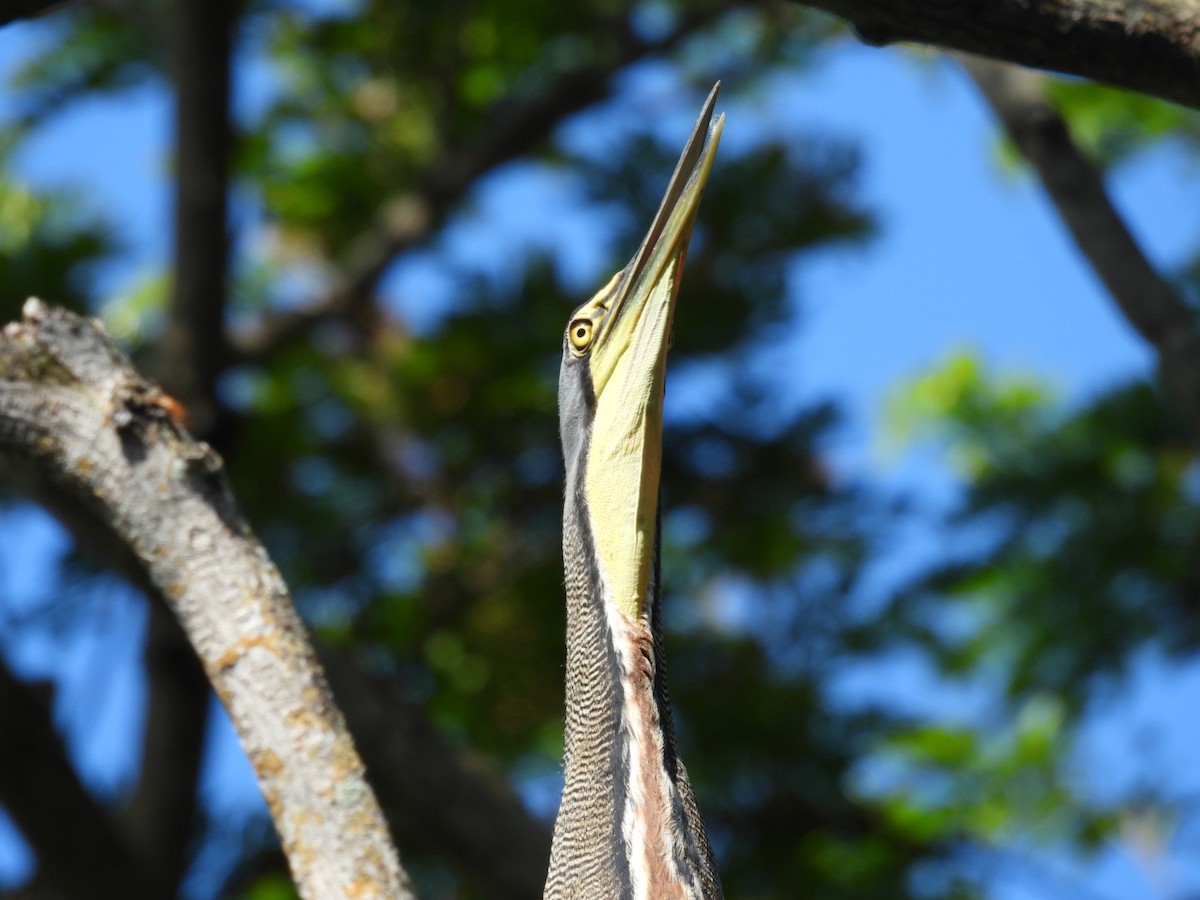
x=624, y=786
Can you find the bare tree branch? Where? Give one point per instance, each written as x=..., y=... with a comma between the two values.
x=1151, y=46
x=161, y=817
x=440, y=799
x=71, y=403
x=80, y=853
x=1077, y=190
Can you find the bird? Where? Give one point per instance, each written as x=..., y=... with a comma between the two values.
x=628, y=825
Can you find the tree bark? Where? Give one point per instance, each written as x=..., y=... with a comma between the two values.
x=161, y=817
x=1151, y=46
x=440, y=799
x=71, y=403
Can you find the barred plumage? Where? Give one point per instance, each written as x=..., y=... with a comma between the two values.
x=628, y=825
x=591, y=855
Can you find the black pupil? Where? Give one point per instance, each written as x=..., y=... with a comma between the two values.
x=580, y=333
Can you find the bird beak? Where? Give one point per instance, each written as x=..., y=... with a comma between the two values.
x=639, y=287
x=628, y=366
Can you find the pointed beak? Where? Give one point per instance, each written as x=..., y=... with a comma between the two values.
x=628, y=366
x=650, y=283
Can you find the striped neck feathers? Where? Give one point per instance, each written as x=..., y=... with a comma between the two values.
x=637, y=772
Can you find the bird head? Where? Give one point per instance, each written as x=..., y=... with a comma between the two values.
x=612, y=377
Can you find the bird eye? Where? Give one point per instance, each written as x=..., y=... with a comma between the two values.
x=580, y=334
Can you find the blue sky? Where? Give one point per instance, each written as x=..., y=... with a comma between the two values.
x=967, y=256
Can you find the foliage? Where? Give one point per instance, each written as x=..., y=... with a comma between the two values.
x=1090, y=523
x=1112, y=124
x=403, y=468
x=50, y=245
x=1073, y=550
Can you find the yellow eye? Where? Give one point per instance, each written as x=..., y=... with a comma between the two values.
x=580, y=334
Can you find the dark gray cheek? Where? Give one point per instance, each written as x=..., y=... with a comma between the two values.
x=572, y=424
x=575, y=409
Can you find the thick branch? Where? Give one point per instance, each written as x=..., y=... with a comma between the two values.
x=161, y=818
x=1077, y=190
x=1152, y=46
x=80, y=854
x=71, y=403
x=439, y=798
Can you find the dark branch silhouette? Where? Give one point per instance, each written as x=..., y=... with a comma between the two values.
x=1076, y=187
x=1151, y=46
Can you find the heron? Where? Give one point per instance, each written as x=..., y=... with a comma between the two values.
x=628, y=825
